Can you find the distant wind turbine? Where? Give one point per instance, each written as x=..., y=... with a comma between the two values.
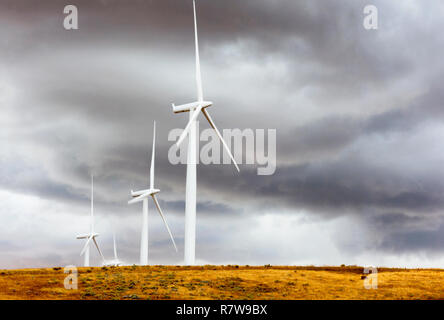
x=115, y=262
x=143, y=195
x=92, y=235
x=195, y=108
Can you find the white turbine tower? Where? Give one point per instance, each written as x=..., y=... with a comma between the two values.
x=91, y=235
x=194, y=108
x=143, y=195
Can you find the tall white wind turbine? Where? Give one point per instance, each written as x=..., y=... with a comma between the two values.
x=91, y=235
x=194, y=108
x=143, y=195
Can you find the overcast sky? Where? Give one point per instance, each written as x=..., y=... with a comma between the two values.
x=358, y=114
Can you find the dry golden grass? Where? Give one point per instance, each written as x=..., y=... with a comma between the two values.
x=222, y=282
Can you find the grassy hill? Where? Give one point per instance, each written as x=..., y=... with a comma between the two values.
x=222, y=282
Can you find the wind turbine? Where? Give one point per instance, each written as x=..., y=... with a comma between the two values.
x=92, y=235
x=115, y=262
x=194, y=108
x=143, y=195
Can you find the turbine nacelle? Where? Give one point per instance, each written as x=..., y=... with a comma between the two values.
x=191, y=106
x=86, y=236
x=142, y=194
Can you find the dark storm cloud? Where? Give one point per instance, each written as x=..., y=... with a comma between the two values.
x=400, y=233
x=332, y=133
x=84, y=102
x=414, y=240
x=428, y=107
x=346, y=186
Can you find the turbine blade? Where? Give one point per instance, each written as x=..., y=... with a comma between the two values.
x=98, y=249
x=198, y=75
x=86, y=245
x=207, y=115
x=92, y=204
x=188, y=127
x=139, y=198
x=152, y=158
x=164, y=220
